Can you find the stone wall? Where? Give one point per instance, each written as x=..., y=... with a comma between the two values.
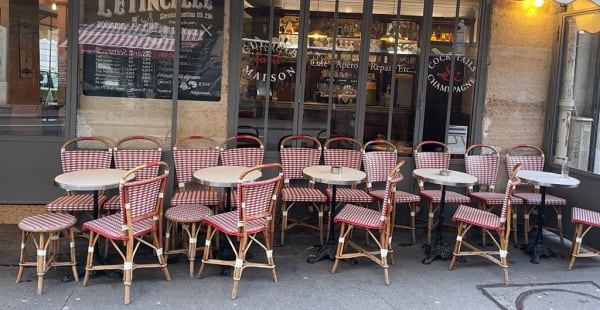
x=520, y=59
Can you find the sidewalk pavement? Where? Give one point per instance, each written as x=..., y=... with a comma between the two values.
x=474, y=284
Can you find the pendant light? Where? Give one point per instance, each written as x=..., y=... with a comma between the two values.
x=317, y=34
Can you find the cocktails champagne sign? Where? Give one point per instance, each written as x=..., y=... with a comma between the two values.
x=440, y=73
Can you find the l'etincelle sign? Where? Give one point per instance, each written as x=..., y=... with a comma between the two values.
x=142, y=6
x=440, y=70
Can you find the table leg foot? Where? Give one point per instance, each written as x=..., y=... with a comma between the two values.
x=437, y=251
x=539, y=250
x=326, y=251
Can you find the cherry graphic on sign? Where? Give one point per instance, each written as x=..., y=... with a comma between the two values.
x=446, y=75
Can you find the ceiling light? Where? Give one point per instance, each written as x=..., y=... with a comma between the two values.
x=53, y=6
x=317, y=35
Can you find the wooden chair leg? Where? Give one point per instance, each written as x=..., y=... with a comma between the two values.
x=41, y=261
x=514, y=225
x=457, y=244
x=384, y=250
x=128, y=271
x=559, y=224
x=73, y=253
x=90, y=256
x=340, y=247
x=24, y=236
x=320, y=208
x=503, y=256
x=284, y=211
x=206, y=254
x=160, y=254
x=239, y=264
x=269, y=245
x=193, y=245
x=576, y=247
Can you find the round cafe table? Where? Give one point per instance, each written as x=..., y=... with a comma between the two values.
x=94, y=180
x=225, y=177
x=544, y=180
x=323, y=174
x=454, y=178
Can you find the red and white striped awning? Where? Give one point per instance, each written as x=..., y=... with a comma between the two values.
x=149, y=36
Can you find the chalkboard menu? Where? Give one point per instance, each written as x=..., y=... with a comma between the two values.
x=131, y=54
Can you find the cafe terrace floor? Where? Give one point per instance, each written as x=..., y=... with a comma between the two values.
x=476, y=284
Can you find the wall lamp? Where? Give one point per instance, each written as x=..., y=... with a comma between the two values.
x=564, y=2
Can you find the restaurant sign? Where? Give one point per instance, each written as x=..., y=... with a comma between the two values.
x=257, y=50
x=440, y=73
x=129, y=48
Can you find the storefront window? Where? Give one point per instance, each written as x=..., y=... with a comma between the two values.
x=359, y=77
x=577, y=131
x=128, y=52
x=451, y=74
x=394, y=52
x=33, y=74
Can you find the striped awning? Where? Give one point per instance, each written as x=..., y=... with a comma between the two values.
x=148, y=36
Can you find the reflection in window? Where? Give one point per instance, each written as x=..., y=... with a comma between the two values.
x=577, y=138
x=333, y=98
x=130, y=54
x=31, y=53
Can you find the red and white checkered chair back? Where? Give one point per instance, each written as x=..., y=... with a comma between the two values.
x=343, y=151
x=531, y=157
x=532, y=161
x=258, y=198
x=432, y=159
x=143, y=199
x=192, y=153
x=389, y=196
x=295, y=157
x=242, y=156
x=133, y=151
x=482, y=161
x=97, y=153
x=512, y=182
x=379, y=158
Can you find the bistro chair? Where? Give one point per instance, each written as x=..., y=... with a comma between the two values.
x=467, y=217
x=434, y=154
x=140, y=216
x=345, y=152
x=379, y=158
x=89, y=152
x=130, y=152
x=242, y=150
x=482, y=161
x=296, y=153
x=45, y=231
x=257, y=201
x=584, y=221
x=532, y=158
x=192, y=153
x=354, y=216
x=245, y=150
